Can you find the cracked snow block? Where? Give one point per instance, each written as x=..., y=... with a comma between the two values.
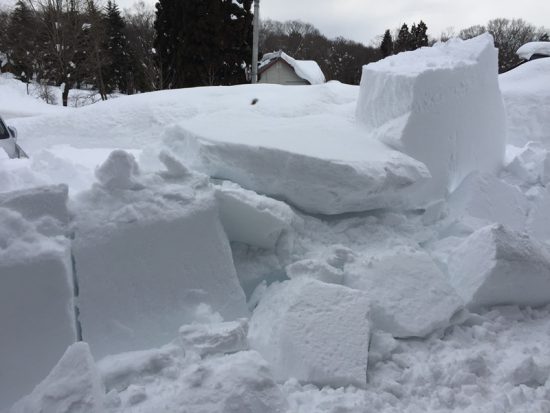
x=73, y=386
x=440, y=105
x=486, y=197
x=147, y=252
x=215, y=338
x=410, y=296
x=495, y=266
x=312, y=331
x=36, y=304
x=538, y=224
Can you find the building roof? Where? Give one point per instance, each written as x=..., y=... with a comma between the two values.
x=306, y=69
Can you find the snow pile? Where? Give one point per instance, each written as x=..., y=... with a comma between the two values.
x=526, y=94
x=441, y=105
x=533, y=48
x=73, y=386
x=36, y=288
x=149, y=249
x=499, y=266
x=313, y=331
x=306, y=69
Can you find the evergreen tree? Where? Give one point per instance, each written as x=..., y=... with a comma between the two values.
x=386, y=47
x=403, y=41
x=20, y=41
x=118, y=73
x=421, y=35
x=202, y=42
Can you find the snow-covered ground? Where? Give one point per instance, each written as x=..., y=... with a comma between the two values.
x=328, y=248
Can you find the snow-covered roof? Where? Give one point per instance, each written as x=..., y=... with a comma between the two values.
x=306, y=69
x=532, y=48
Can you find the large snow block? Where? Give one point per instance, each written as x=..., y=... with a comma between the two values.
x=485, y=197
x=73, y=386
x=496, y=266
x=409, y=294
x=538, y=224
x=36, y=305
x=441, y=105
x=312, y=331
x=147, y=252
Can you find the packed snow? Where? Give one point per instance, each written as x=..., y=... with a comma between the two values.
x=328, y=249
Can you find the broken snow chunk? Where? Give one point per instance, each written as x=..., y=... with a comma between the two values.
x=538, y=222
x=315, y=269
x=486, y=197
x=496, y=266
x=174, y=168
x=440, y=105
x=409, y=294
x=73, y=386
x=119, y=171
x=531, y=165
x=215, y=338
x=315, y=332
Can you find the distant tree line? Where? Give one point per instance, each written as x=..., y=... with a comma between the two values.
x=406, y=40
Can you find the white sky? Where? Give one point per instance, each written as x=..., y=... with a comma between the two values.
x=363, y=20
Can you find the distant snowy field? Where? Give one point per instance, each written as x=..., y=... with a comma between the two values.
x=290, y=249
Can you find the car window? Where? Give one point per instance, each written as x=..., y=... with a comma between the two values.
x=4, y=134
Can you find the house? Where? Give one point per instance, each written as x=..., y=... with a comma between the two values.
x=280, y=68
x=534, y=50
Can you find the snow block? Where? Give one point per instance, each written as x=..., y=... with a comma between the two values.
x=36, y=305
x=251, y=218
x=538, y=224
x=486, y=197
x=410, y=296
x=73, y=386
x=215, y=338
x=149, y=255
x=312, y=331
x=441, y=105
x=531, y=165
x=495, y=266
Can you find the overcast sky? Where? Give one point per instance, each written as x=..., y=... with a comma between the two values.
x=363, y=20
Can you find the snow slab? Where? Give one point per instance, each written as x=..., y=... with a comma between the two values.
x=149, y=249
x=526, y=94
x=410, y=296
x=497, y=266
x=73, y=386
x=486, y=197
x=314, y=332
x=36, y=304
x=215, y=338
x=441, y=105
x=529, y=49
x=253, y=219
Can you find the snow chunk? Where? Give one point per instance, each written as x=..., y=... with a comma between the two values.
x=315, y=269
x=251, y=218
x=441, y=105
x=150, y=256
x=497, y=266
x=73, y=386
x=215, y=338
x=410, y=296
x=530, y=165
x=529, y=49
x=36, y=304
x=486, y=197
x=314, y=332
x=119, y=171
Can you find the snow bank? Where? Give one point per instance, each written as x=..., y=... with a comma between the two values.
x=486, y=197
x=529, y=49
x=312, y=331
x=215, y=338
x=251, y=218
x=36, y=300
x=149, y=249
x=73, y=386
x=441, y=105
x=526, y=94
x=499, y=266
x=410, y=296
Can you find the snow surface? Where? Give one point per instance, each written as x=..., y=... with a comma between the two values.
x=306, y=69
x=405, y=267
x=529, y=49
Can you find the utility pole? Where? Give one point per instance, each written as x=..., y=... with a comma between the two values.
x=255, y=39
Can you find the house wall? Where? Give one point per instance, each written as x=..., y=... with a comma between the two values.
x=282, y=74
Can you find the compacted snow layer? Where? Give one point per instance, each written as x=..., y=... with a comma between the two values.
x=441, y=105
x=313, y=331
x=73, y=386
x=149, y=251
x=36, y=289
x=498, y=266
x=526, y=94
